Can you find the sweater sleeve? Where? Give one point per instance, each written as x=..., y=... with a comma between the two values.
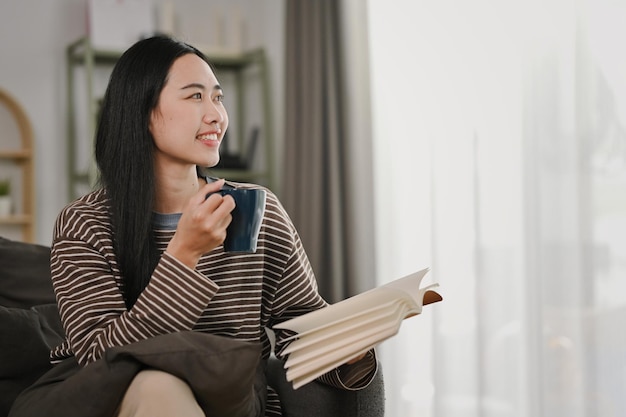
x=354, y=376
x=90, y=298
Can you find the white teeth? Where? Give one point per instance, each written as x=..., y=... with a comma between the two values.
x=208, y=137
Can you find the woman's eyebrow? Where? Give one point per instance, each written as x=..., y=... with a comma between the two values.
x=193, y=85
x=201, y=86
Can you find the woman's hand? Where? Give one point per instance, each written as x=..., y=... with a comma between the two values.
x=202, y=226
x=356, y=359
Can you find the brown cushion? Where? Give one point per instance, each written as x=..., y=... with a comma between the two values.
x=24, y=274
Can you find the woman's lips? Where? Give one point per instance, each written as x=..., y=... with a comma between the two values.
x=209, y=139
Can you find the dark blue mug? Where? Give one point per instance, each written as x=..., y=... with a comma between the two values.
x=243, y=232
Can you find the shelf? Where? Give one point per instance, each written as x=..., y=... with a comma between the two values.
x=81, y=50
x=18, y=219
x=82, y=54
x=23, y=158
x=21, y=154
x=236, y=174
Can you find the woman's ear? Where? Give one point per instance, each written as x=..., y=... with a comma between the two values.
x=155, y=115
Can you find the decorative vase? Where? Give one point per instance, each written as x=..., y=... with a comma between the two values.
x=5, y=205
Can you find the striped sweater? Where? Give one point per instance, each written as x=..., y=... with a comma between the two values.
x=228, y=294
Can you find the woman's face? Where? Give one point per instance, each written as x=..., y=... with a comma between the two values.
x=189, y=121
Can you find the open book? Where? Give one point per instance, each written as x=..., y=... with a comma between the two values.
x=333, y=335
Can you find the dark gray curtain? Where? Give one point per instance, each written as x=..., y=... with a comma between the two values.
x=316, y=183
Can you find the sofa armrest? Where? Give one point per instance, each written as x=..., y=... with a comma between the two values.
x=24, y=274
x=319, y=400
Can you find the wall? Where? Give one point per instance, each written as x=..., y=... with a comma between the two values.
x=33, y=38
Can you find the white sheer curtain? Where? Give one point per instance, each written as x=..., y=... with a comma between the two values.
x=500, y=161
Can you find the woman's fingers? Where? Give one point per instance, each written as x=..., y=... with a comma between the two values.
x=216, y=205
x=208, y=190
x=202, y=227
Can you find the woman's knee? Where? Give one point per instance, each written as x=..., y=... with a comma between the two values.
x=156, y=393
x=152, y=381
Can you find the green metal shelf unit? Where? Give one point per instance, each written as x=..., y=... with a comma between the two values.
x=81, y=54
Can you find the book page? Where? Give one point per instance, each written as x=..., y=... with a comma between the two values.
x=405, y=289
x=309, y=348
x=339, y=327
x=329, y=337
x=354, y=308
x=308, y=371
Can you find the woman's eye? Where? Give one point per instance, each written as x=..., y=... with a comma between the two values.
x=197, y=96
x=219, y=98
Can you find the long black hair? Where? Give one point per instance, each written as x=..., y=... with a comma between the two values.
x=124, y=151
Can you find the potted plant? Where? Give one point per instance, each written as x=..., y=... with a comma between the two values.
x=5, y=197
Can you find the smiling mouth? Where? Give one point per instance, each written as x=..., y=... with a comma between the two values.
x=208, y=137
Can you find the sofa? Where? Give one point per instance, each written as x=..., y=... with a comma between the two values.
x=30, y=327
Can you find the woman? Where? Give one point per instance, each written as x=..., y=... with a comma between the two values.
x=139, y=270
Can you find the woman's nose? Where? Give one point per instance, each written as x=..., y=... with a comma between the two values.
x=214, y=113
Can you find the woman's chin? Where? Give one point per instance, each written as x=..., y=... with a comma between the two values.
x=211, y=162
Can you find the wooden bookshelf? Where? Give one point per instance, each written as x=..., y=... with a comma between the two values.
x=23, y=215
